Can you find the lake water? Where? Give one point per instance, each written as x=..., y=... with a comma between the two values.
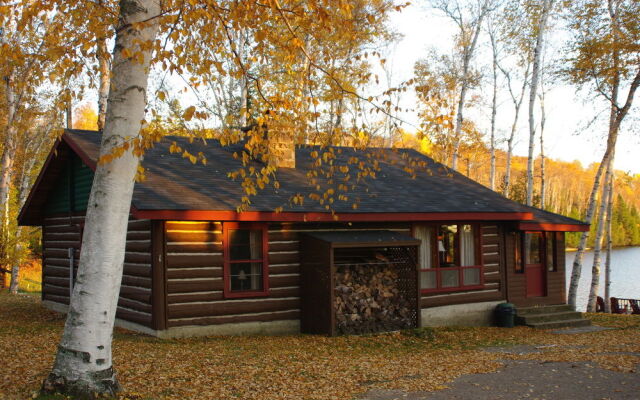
x=625, y=274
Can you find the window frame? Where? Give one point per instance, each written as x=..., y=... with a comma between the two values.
x=435, y=259
x=226, y=271
x=520, y=256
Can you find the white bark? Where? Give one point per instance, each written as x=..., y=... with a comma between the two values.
x=494, y=107
x=83, y=362
x=543, y=182
x=103, y=90
x=535, y=73
x=517, y=103
x=602, y=218
x=469, y=41
x=607, y=266
x=576, y=271
x=616, y=116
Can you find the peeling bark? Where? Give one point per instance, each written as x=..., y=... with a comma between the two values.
x=616, y=116
x=83, y=365
x=535, y=74
x=517, y=104
x=607, y=267
x=103, y=91
x=602, y=218
x=494, y=108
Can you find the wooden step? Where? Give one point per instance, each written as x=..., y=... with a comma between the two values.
x=571, y=323
x=557, y=316
x=543, y=309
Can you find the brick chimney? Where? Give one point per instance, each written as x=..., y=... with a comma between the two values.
x=282, y=151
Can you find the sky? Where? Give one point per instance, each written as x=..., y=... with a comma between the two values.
x=566, y=134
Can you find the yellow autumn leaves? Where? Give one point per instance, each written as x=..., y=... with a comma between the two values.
x=297, y=367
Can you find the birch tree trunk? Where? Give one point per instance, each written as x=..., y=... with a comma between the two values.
x=607, y=266
x=15, y=269
x=103, y=91
x=23, y=193
x=535, y=74
x=543, y=182
x=517, y=104
x=616, y=116
x=11, y=131
x=576, y=270
x=494, y=107
x=467, y=55
x=602, y=218
x=69, y=112
x=83, y=364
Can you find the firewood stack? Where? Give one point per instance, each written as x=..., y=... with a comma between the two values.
x=368, y=299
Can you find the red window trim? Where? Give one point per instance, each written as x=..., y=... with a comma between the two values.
x=435, y=260
x=226, y=271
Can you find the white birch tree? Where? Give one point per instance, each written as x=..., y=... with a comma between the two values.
x=469, y=22
x=602, y=222
x=83, y=364
x=608, y=238
x=540, y=31
x=603, y=55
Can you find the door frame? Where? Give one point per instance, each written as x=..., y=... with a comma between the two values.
x=541, y=266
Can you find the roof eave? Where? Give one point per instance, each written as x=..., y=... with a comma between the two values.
x=266, y=216
x=541, y=226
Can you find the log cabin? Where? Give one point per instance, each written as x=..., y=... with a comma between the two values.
x=416, y=245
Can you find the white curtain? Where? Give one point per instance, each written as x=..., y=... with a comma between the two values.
x=255, y=243
x=467, y=246
x=425, y=235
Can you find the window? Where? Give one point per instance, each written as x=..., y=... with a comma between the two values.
x=550, y=251
x=535, y=248
x=517, y=252
x=532, y=247
x=448, y=256
x=245, y=260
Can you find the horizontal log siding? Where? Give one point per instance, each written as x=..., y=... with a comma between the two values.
x=195, y=264
x=492, y=251
x=61, y=233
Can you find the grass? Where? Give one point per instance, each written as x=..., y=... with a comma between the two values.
x=297, y=366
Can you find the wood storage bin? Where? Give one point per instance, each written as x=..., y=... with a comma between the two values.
x=359, y=282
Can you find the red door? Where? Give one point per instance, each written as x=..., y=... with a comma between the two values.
x=534, y=265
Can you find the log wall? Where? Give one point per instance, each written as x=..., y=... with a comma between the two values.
x=194, y=263
x=492, y=245
x=63, y=232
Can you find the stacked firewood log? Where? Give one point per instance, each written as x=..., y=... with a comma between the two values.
x=368, y=299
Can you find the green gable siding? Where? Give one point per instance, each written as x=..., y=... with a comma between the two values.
x=71, y=191
x=83, y=179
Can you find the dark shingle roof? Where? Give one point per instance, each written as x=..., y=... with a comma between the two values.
x=174, y=183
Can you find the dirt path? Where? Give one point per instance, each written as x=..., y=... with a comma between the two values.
x=532, y=379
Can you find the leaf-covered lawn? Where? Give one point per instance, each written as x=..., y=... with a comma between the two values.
x=294, y=367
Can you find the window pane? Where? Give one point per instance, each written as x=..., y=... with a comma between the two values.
x=447, y=245
x=471, y=276
x=532, y=247
x=450, y=278
x=245, y=244
x=517, y=246
x=467, y=246
x=549, y=251
x=424, y=233
x=428, y=280
x=246, y=276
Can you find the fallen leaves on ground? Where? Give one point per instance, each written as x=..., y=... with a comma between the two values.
x=295, y=367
